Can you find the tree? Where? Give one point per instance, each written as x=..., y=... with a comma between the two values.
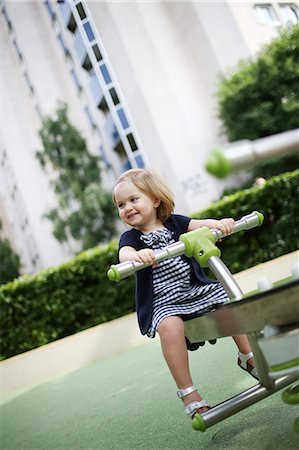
x=10, y=262
x=85, y=210
x=262, y=97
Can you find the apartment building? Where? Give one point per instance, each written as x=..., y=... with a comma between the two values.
x=139, y=79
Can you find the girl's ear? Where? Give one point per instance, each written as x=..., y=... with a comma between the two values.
x=157, y=202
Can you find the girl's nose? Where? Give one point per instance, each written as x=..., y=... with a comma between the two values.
x=128, y=207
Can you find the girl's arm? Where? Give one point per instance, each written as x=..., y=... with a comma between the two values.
x=146, y=255
x=224, y=225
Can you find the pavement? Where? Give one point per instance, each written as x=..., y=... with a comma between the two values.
x=128, y=401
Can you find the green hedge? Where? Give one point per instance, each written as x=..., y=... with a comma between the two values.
x=59, y=301
x=278, y=201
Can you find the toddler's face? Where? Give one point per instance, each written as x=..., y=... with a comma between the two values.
x=135, y=207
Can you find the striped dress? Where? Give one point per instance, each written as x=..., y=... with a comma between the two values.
x=174, y=294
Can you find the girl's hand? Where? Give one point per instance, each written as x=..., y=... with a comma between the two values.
x=224, y=225
x=145, y=256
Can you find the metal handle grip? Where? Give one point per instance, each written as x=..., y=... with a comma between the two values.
x=119, y=271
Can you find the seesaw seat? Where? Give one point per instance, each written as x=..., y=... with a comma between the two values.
x=271, y=321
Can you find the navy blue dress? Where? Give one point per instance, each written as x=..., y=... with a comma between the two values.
x=177, y=286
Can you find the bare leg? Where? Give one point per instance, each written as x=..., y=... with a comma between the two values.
x=244, y=346
x=174, y=349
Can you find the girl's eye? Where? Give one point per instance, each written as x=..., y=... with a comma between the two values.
x=134, y=199
x=120, y=205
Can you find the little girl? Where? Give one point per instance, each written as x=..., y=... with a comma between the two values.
x=169, y=293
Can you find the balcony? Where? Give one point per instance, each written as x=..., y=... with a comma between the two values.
x=112, y=133
x=97, y=93
x=81, y=51
x=66, y=13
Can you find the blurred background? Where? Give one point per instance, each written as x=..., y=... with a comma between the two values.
x=92, y=88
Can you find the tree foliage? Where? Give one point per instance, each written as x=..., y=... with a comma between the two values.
x=85, y=211
x=261, y=97
x=10, y=262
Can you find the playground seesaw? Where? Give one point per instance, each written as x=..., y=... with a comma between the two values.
x=270, y=318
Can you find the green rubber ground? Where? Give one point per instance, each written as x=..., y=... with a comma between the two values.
x=129, y=401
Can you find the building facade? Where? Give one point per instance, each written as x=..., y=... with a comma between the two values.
x=139, y=79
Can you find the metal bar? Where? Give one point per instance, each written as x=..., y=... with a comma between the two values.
x=244, y=399
x=119, y=271
x=260, y=361
x=252, y=220
x=223, y=275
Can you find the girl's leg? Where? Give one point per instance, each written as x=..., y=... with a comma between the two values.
x=174, y=349
x=244, y=346
x=244, y=360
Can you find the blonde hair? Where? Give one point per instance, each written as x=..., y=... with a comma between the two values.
x=151, y=184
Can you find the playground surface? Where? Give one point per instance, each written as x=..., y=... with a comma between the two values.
x=128, y=401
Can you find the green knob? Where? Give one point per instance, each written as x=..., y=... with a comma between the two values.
x=260, y=217
x=198, y=423
x=291, y=395
x=218, y=165
x=113, y=274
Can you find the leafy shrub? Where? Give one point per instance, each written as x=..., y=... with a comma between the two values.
x=57, y=302
x=261, y=97
x=277, y=200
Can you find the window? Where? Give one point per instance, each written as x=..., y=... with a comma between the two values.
x=105, y=74
x=76, y=80
x=28, y=81
x=15, y=44
x=89, y=116
x=266, y=15
x=132, y=142
x=139, y=161
x=66, y=12
x=114, y=96
x=4, y=12
x=112, y=132
x=81, y=51
x=88, y=31
x=123, y=119
x=50, y=9
x=63, y=45
x=289, y=13
x=96, y=91
x=81, y=11
x=97, y=52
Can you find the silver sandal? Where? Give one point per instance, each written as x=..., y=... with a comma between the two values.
x=244, y=364
x=193, y=407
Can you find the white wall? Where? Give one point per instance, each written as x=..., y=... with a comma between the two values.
x=167, y=57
